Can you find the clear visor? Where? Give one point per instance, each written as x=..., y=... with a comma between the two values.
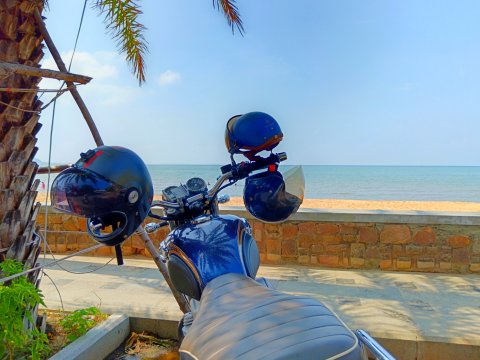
x=85, y=193
x=295, y=182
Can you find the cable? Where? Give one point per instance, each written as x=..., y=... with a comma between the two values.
x=7, y=74
x=71, y=58
x=25, y=90
x=53, y=263
x=79, y=272
x=45, y=244
x=225, y=186
x=20, y=109
x=59, y=93
x=76, y=41
x=78, y=35
x=65, y=232
x=58, y=291
x=54, y=100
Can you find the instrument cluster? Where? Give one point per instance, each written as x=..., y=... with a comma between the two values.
x=196, y=185
x=193, y=186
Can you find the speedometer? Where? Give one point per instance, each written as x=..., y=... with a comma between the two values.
x=196, y=185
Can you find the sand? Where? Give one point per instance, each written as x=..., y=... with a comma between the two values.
x=450, y=206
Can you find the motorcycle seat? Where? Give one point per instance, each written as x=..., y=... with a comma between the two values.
x=238, y=318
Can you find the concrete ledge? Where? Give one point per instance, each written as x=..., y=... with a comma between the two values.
x=361, y=216
x=99, y=341
x=401, y=345
x=373, y=216
x=423, y=349
x=164, y=328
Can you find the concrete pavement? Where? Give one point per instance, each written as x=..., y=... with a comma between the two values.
x=415, y=315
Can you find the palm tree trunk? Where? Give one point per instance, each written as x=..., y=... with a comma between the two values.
x=21, y=43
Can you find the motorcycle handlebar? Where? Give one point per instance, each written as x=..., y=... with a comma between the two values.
x=242, y=170
x=231, y=171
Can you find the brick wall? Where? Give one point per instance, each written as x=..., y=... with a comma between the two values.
x=448, y=243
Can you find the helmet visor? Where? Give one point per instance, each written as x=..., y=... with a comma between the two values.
x=271, y=197
x=295, y=182
x=85, y=193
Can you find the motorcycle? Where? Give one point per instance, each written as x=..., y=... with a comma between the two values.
x=210, y=260
x=213, y=259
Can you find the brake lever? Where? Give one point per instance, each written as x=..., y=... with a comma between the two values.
x=152, y=227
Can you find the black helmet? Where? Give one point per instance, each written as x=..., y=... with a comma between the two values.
x=251, y=133
x=271, y=197
x=109, y=185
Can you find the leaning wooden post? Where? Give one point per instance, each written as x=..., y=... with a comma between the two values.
x=182, y=303
x=73, y=90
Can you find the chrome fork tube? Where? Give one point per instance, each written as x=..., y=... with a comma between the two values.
x=373, y=346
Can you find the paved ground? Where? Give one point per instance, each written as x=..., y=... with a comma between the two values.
x=411, y=306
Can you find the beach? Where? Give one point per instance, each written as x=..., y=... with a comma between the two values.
x=339, y=204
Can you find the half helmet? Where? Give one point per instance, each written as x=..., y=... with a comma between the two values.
x=252, y=133
x=109, y=185
x=272, y=197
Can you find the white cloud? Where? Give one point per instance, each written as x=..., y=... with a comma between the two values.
x=106, y=87
x=168, y=77
x=98, y=65
x=110, y=95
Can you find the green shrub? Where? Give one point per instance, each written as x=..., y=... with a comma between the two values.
x=16, y=300
x=80, y=321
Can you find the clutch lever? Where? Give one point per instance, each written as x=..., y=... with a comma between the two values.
x=152, y=227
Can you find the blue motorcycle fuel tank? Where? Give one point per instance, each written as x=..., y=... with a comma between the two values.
x=208, y=247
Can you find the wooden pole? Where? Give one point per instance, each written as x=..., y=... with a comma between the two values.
x=53, y=169
x=6, y=68
x=73, y=90
x=181, y=301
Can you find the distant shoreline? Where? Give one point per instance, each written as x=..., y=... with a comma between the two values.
x=341, y=204
x=396, y=183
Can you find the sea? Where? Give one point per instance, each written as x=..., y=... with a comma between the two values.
x=404, y=183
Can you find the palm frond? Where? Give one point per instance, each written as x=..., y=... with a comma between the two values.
x=230, y=10
x=121, y=20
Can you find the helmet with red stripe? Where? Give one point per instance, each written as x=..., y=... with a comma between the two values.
x=109, y=185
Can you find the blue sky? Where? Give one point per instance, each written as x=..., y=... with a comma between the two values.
x=350, y=82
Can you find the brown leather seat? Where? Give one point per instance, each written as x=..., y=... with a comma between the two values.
x=241, y=319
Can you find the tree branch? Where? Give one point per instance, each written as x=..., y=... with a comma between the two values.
x=6, y=68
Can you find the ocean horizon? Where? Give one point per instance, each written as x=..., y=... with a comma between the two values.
x=352, y=182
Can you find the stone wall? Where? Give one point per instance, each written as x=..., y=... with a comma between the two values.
x=406, y=241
